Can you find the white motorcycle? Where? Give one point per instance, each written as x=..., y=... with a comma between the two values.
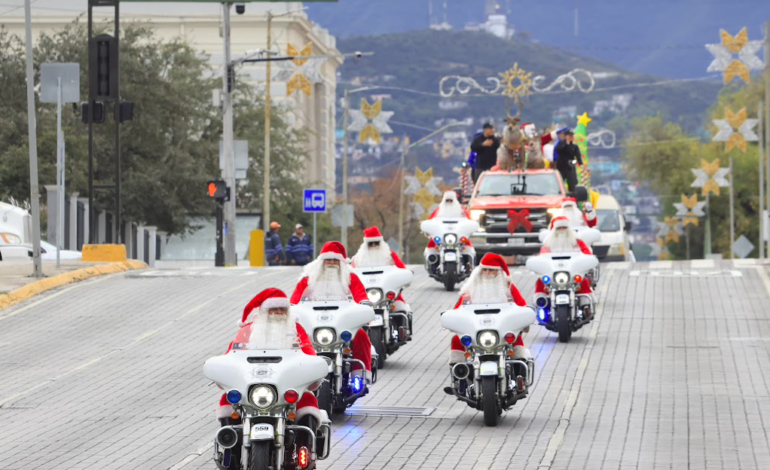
x=331, y=326
x=264, y=387
x=563, y=310
x=490, y=380
x=589, y=236
x=391, y=328
x=450, y=266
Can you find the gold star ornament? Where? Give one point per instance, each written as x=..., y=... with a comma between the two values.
x=516, y=83
x=584, y=119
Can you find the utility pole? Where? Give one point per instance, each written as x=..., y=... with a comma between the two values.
x=402, y=169
x=766, y=126
x=346, y=106
x=707, y=232
x=37, y=265
x=732, y=209
x=227, y=136
x=266, y=196
x=761, y=182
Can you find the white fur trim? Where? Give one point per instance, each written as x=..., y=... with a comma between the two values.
x=590, y=215
x=484, y=266
x=332, y=255
x=241, y=324
x=224, y=411
x=456, y=357
x=374, y=239
x=520, y=352
x=274, y=302
x=401, y=306
x=309, y=411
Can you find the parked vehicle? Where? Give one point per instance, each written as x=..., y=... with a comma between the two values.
x=391, y=328
x=490, y=380
x=614, y=229
x=449, y=234
x=264, y=387
x=564, y=309
x=15, y=238
x=331, y=326
x=48, y=252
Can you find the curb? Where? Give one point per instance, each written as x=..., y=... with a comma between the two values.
x=38, y=287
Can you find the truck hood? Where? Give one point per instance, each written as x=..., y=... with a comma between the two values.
x=513, y=202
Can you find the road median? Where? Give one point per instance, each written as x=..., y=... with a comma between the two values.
x=38, y=287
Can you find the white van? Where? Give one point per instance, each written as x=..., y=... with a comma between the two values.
x=614, y=228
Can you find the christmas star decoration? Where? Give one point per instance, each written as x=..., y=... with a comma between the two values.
x=690, y=209
x=674, y=229
x=735, y=129
x=725, y=60
x=710, y=177
x=299, y=74
x=584, y=119
x=516, y=83
x=370, y=121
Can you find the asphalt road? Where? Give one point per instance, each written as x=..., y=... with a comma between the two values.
x=673, y=374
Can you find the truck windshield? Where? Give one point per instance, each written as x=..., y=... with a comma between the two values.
x=518, y=184
x=608, y=220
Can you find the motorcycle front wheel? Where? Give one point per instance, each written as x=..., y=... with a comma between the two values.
x=325, y=399
x=492, y=409
x=260, y=455
x=375, y=336
x=563, y=326
x=450, y=276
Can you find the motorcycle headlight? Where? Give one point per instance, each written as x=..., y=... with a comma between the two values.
x=324, y=336
x=262, y=396
x=561, y=278
x=488, y=339
x=450, y=238
x=375, y=295
x=476, y=214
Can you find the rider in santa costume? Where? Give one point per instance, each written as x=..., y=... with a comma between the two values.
x=329, y=277
x=375, y=252
x=562, y=239
x=586, y=218
x=490, y=282
x=266, y=323
x=450, y=208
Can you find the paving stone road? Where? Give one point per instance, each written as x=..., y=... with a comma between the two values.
x=673, y=374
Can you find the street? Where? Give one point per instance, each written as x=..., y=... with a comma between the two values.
x=673, y=374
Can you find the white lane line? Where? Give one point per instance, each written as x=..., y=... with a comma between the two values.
x=557, y=438
x=661, y=264
x=183, y=463
x=96, y=360
x=57, y=294
x=702, y=263
x=745, y=262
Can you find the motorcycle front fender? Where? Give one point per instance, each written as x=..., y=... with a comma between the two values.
x=262, y=432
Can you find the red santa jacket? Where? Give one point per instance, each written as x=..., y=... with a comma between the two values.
x=590, y=222
x=515, y=295
x=357, y=290
x=242, y=337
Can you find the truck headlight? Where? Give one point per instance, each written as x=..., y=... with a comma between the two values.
x=450, y=238
x=476, y=214
x=324, y=336
x=561, y=278
x=262, y=396
x=488, y=339
x=375, y=295
x=554, y=211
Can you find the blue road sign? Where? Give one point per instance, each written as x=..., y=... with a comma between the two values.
x=314, y=200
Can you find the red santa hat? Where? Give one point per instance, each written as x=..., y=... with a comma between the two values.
x=495, y=261
x=372, y=234
x=567, y=201
x=559, y=222
x=264, y=301
x=333, y=250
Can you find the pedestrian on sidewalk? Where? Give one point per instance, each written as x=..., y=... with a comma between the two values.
x=299, y=249
x=273, y=248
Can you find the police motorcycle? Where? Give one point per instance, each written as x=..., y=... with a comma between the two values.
x=589, y=236
x=331, y=325
x=264, y=387
x=563, y=310
x=490, y=380
x=450, y=266
x=391, y=328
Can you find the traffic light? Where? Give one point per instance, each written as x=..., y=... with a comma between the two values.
x=103, y=67
x=218, y=190
x=98, y=112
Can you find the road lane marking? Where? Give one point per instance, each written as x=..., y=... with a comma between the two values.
x=661, y=264
x=702, y=263
x=183, y=463
x=96, y=360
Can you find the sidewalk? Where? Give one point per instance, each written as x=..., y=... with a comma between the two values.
x=18, y=272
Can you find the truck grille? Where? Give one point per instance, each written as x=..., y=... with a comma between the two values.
x=495, y=221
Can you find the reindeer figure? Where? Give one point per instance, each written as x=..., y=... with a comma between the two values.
x=512, y=152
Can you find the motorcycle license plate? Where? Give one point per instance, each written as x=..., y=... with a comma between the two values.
x=515, y=241
x=562, y=299
x=450, y=256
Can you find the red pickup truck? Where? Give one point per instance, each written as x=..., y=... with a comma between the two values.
x=512, y=207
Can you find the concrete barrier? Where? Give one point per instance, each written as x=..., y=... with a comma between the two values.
x=104, y=253
x=257, y=248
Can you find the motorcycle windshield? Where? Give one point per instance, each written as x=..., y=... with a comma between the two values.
x=244, y=341
x=310, y=296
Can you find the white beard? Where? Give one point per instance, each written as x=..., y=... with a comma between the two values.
x=367, y=258
x=450, y=211
x=273, y=332
x=485, y=290
x=574, y=215
x=327, y=282
x=562, y=242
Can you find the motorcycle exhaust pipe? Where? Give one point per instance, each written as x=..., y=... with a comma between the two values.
x=227, y=437
x=461, y=371
x=432, y=259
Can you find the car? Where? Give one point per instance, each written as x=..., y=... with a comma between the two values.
x=48, y=253
x=614, y=228
x=497, y=202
